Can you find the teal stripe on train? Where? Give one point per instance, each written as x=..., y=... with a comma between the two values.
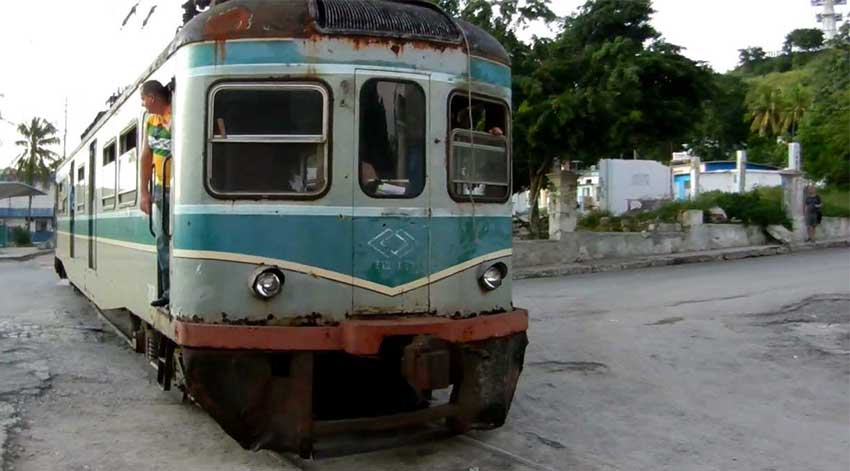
x=288, y=52
x=389, y=251
x=133, y=229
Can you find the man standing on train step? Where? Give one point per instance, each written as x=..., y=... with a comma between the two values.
x=156, y=154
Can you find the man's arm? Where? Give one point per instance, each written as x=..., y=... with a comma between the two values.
x=145, y=170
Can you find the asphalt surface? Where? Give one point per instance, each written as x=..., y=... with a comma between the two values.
x=738, y=366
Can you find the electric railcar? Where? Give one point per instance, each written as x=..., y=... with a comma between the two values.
x=339, y=221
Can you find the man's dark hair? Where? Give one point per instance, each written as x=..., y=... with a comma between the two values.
x=154, y=87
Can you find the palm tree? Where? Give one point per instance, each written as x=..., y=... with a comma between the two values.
x=766, y=110
x=797, y=102
x=36, y=162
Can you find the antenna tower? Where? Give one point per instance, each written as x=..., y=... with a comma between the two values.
x=828, y=18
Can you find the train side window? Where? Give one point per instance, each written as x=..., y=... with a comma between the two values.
x=128, y=167
x=268, y=140
x=61, y=198
x=81, y=189
x=479, y=156
x=392, y=139
x=107, y=175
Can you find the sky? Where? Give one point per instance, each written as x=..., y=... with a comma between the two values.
x=53, y=50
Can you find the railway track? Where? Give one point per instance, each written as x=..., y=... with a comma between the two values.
x=456, y=453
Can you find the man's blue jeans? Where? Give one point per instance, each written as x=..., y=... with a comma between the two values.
x=160, y=195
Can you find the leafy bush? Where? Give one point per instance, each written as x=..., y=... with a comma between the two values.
x=21, y=236
x=761, y=207
x=836, y=203
x=592, y=219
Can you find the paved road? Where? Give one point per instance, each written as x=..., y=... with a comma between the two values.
x=736, y=366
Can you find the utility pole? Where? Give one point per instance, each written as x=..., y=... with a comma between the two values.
x=828, y=18
x=65, y=132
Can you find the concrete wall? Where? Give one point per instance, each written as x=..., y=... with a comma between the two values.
x=834, y=228
x=583, y=246
x=728, y=181
x=624, y=180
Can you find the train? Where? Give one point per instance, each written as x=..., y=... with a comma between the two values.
x=339, y=221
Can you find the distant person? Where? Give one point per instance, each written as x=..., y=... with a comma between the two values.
x=156, y=99
x=813, y=211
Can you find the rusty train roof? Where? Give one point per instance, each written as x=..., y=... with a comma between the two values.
x=393, y=20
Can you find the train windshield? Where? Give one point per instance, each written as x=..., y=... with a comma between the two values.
x=392, y=139
x=268, y=139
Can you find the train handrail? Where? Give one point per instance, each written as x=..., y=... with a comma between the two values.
x=150, y=201
x=166, y=229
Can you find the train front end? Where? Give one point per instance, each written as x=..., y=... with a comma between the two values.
x=341, y=252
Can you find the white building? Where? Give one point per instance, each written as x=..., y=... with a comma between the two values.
x=627, y=184
x=14, y=210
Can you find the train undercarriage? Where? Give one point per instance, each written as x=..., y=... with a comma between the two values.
x=357, y=377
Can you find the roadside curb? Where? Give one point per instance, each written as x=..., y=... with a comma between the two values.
x=23, y=258
x=604, y=266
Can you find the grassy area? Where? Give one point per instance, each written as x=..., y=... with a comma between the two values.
x=836, y=202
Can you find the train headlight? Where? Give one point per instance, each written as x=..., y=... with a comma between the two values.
x=494, y=276
x=267, y=284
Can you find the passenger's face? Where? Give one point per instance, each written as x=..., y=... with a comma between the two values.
x=149, y=102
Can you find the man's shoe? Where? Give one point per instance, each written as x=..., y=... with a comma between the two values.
x=161, y=302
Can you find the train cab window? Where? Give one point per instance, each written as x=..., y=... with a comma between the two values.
x=392, y=139
x=479, y=157
x=268, y=140
x=127, y=167
x=107, y=175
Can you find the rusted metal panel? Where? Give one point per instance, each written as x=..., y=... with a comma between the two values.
x=427, y=363
x=357, y=337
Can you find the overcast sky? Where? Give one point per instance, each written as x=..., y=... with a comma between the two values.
x=53, y=49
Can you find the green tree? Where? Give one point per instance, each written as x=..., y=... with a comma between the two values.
x=751, y=55
x=765, y=109
x=805, y=39
x=36, y=162
x=797, y=102
x=606, y=86
x=825, y=128
x=723, y=128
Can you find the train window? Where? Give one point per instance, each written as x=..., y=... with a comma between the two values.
x=127, y=167
x=268, y=140
x=61, y=199
x=81, y=189
x=109, y=153
x=479, y=157
x=129, y=139
x=392, y=139
x=107, y=175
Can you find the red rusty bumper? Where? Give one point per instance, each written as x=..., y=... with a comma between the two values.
x=356, y=337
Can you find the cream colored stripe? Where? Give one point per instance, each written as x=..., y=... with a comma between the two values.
x=117, y=243
x=336, y=276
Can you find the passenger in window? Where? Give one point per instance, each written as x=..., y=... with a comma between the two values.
x=156, y=99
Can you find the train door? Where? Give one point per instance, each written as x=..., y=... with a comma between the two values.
x=72, y=208
x=92, y=206
x=392, y=200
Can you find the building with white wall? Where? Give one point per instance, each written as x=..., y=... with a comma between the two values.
x=722, y=176
x=15, y=210
x=625, y=184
